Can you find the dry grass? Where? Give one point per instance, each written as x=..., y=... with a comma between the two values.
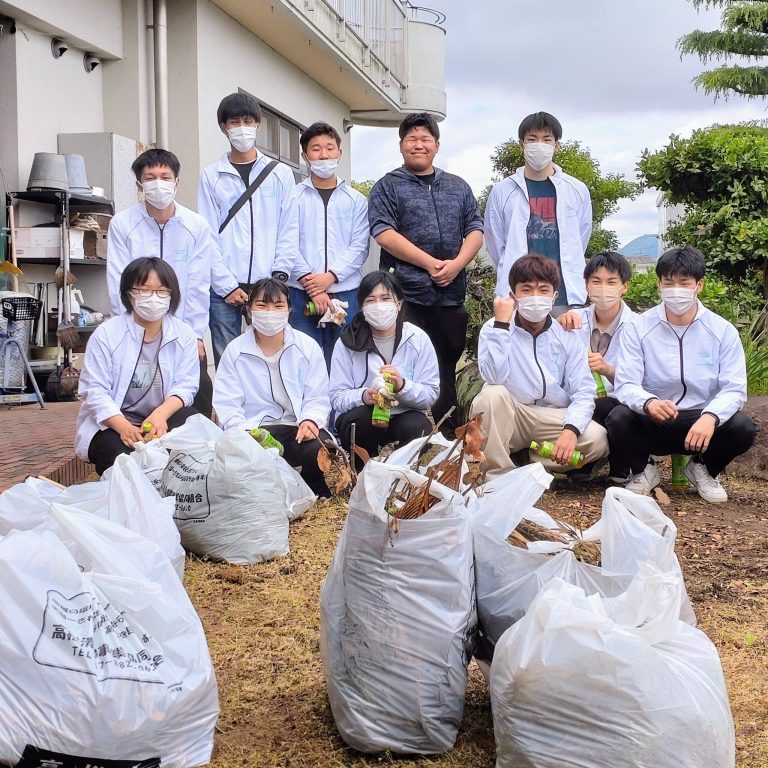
x=262, y=624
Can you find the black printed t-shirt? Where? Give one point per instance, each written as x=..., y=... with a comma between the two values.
x=543, y=234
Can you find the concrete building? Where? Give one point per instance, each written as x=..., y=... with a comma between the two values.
x=668, y=214
x=154, y=71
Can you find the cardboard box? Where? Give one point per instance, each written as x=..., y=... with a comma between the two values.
x=45, y=243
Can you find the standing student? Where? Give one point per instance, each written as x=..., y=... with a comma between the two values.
x=250, y=203
x=161, y=227
x=333, y=239
x=681, y=377
x=428, y=226
x=141, y=367
x=540, y=209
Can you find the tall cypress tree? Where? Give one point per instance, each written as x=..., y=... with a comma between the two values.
x=744, y=34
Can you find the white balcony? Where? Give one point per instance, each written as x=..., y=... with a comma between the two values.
x=381, y=57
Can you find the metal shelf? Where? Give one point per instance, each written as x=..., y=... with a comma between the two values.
x=72, y=262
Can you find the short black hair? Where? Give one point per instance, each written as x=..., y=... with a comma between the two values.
x=238, y=105
x=533, y=268
x=318, y=129
x=419, y=120
x=684, y=261
x=380, y=277
x=269, y=289
x=540, y=121
x=612, y=261
x=137, y=272
x=153, y=158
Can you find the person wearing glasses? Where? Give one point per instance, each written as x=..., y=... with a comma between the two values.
x=274, y=376
x=141, y=368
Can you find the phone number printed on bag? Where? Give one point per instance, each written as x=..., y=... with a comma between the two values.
x=82, y=635
x=186, y=478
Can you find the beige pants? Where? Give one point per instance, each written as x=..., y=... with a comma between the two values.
x=511, y=426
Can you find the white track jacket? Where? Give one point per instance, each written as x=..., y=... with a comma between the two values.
x=185, y=242
x=242, y=390
x=263, y=237
x=702, y=369
x=507, y=213
x=353, y=371
x=332, y=239
x=548, y=370
x=110, y=360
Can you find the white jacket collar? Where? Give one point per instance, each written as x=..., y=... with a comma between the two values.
x=250, y=347
x=136, y=332
x=555, y=178
x=662, y=314
x=225, y=166
x=308, y=183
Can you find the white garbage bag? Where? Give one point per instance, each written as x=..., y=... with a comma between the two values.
x=397, y=619
x=632, y=530
x=123, y=495
x=99, y=660
x=584, y=681
x=231, y=502
x=299, y=497
x=152, y=459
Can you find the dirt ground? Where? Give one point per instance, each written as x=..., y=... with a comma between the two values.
x=262, y=624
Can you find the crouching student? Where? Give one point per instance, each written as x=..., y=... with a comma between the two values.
x=141, y=368
x=538, y=385
x=275, y=377
x=681, y=378
x=379, y=341
x=599, y=325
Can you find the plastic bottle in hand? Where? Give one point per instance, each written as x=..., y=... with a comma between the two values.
x=546, y=448
x=679, y=478
x=381, y=409
x=264, y=438
x=310, y=309
x=601, y=391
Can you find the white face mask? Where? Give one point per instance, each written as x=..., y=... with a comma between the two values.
x=159, y=193
x=678, y=300
x=381, y=314
x=152, y=307
x=242, y=138
x=538, y=155
x=534, y=309
x=604, y=297
x=269, y=322
x=324, y=169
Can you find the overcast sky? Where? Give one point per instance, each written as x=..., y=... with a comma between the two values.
x=607, y=69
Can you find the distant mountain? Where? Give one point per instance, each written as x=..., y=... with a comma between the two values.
x=645, y=245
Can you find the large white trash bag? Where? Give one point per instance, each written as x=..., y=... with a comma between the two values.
x=397, y=620
x=589, y=682
x=151, y=458
x=123, y=495
x=230, y=498
x=632, y=530
x=104, y=665
x=298, y=495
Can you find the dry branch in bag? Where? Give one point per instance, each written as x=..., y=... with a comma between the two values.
x=334, y=463
x=528, y=532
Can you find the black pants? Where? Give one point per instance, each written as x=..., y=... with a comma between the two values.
x=603, y=407
x=633, y=437
x=203, y=402
x=403, y=427
x=106, y=444
x=302, y=455
x=447, y=329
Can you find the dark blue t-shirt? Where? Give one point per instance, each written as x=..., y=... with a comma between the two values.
x=543, y=234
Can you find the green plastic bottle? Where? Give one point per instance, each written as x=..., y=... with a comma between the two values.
x=264, y=438
x=545, y=449
x=310, y=309
x=680, y=480
x=601, y=390
x=381, y=413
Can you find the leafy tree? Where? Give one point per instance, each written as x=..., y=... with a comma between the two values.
x=363, y=187
x=744, y=34
x=720, y=175
x=606, y=191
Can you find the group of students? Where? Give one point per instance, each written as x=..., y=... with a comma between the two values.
x=286, y=260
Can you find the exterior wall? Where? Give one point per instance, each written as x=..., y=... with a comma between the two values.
x=668, y=214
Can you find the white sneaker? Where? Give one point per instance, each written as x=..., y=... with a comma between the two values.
x=709, y=487
x=644, y=482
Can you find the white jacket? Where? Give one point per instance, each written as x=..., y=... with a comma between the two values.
x=242, y=389
x=110, y=360
x=334, y=238
x=185, y=242
x=352, y=372
x=548, y=370
x=704, y=369
x=507, y=213
x=264, y=235
x=584, y=334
